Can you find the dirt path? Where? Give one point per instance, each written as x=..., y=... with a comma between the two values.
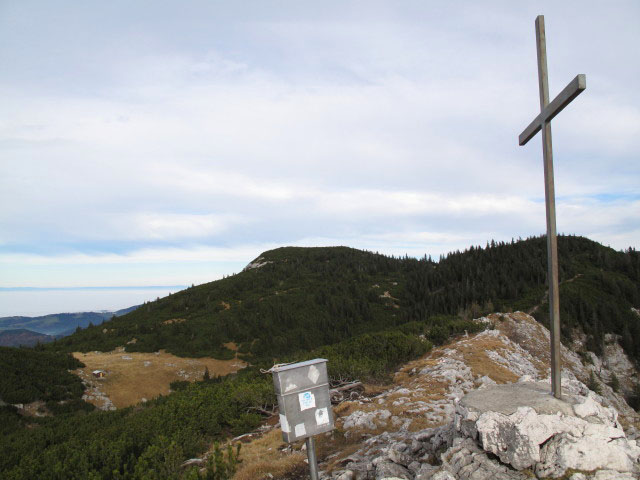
x=545, y=297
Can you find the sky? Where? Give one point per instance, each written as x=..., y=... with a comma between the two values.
x=170, y=143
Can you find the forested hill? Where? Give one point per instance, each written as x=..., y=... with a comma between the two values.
x=297, y=299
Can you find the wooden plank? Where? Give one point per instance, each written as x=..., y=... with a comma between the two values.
x=550, y=202
x=564, y=98
x=541, y=50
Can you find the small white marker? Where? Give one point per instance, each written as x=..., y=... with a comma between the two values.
x=314, y=374
x=322, y=416
x=284, y=424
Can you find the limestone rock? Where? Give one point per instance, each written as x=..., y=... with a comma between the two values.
x=578, y=476
x=443, y=475
x=396, y=454
x=612, y=475
x=347, y=475
x=360, y=419
x=616, y=361
x=581, y=434
x=586, y=453
x=466, y=461
x=392, y=471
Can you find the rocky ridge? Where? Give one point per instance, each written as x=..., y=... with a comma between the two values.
x=420, y=430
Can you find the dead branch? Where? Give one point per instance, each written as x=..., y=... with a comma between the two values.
x=263, y=411
x=348, y=386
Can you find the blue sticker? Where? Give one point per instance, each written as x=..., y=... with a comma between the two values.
x=307, y=400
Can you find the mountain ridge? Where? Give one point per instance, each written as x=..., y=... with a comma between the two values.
x=60, y=324
x=23, y=337
x=301, y=298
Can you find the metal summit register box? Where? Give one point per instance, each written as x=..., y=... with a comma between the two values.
x=302, y=390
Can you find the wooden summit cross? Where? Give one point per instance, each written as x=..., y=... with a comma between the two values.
x=543, y=122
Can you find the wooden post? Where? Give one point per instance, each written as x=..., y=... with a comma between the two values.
x=542, y=122
x=550, y=201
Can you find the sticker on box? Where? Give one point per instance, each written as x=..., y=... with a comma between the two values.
x=314, y=374
x=284, y=424
x=307, y=400
x=300, y=430
x=322, y=416
x=290, y=386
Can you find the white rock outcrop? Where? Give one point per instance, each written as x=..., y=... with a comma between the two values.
x=369, y=420
x=580, y=435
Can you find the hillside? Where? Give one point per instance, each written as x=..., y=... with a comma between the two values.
x=406, y=429
x=296, y=299
x=38, y=383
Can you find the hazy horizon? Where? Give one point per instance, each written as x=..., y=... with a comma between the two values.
x=38, y=301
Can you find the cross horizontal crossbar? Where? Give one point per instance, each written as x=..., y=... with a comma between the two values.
x=571, y=91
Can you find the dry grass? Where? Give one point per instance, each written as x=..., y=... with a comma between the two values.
x=338, y=447
x=421, y=422
x=263, y=456
x=373, y=389
x=346, y=408
x=231, y=346
x=476, y=358
x=134, y=376
x=406, y=374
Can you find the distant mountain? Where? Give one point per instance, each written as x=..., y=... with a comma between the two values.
x=23, y=337
x=60, y=324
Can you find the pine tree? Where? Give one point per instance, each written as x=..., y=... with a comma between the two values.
x=614, y=383
x=593, y=384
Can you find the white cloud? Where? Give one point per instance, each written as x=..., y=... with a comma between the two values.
x=391, y=127
x=154, y=226
x=146, y=255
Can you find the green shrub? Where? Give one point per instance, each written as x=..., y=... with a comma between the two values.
x=219, y=466
x=593, y=384
x=614, y=383
x=178, y=385
x=371, y=356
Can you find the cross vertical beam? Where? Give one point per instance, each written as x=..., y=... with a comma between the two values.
x=550, y=201
x=548, y=110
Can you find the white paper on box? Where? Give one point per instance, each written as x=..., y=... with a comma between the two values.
x=284, y=424
x=307, y=400
x=289, y=387
x=300, y=430
x=314, y=374
x=322, y=416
